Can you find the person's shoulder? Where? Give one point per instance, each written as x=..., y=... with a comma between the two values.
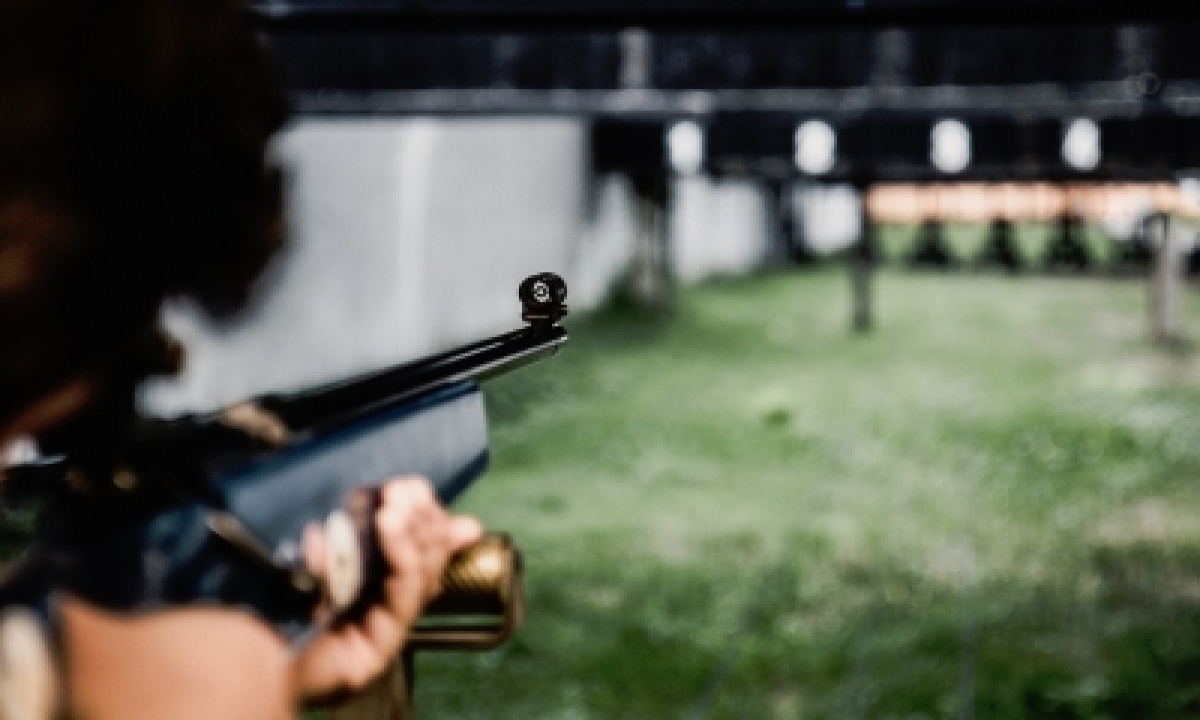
x=187, y=663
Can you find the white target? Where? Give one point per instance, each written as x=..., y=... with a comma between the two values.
x=950, y=147
x=816, y=147
x=1081, y=145
x=685, y=146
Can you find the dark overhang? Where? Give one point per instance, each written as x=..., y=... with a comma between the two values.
x=1061, y=71
x=881, y=71
x=600, y=15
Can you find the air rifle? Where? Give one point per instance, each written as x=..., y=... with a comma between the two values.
x=213, y=508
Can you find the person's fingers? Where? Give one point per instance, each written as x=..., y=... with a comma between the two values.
x=313, y=547
x=384, y=633
x=406, y=588
x=410, y=515
x=334, y=663
x=417, y=538
x=408, y=490
x=351, y=656
x=464, y=531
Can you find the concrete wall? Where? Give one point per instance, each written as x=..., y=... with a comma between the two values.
x=406, y=236
x=830, y=217
x=719, y=228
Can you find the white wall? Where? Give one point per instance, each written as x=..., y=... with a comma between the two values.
x=341, y=293
x=718, y=228
x=830, y=216
x=408, y=236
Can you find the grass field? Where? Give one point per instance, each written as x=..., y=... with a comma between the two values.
x=987, y=508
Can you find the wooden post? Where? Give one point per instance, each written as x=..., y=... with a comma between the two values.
x=650, y=276
x=799, y=249
x=1166, y=282
x=862, y=268
x=647, y=281
x=781, y=224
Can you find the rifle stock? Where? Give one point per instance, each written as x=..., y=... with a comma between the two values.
x=213, y=508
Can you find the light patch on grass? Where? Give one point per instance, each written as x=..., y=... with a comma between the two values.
x=1150, y=520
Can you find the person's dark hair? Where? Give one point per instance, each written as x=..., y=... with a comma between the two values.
x=132, y=168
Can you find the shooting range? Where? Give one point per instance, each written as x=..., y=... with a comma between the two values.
x=882, y=398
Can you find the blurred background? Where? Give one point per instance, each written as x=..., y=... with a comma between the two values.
x=883, y=398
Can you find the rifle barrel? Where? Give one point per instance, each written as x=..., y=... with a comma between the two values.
x=319, y=407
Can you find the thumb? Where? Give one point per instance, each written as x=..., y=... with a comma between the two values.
x=464, y=531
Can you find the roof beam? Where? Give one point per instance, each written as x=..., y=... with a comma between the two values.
x=599, y=15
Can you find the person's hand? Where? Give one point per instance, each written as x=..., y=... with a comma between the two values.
x=417, y=537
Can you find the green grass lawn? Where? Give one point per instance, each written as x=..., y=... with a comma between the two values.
x=989, y=507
